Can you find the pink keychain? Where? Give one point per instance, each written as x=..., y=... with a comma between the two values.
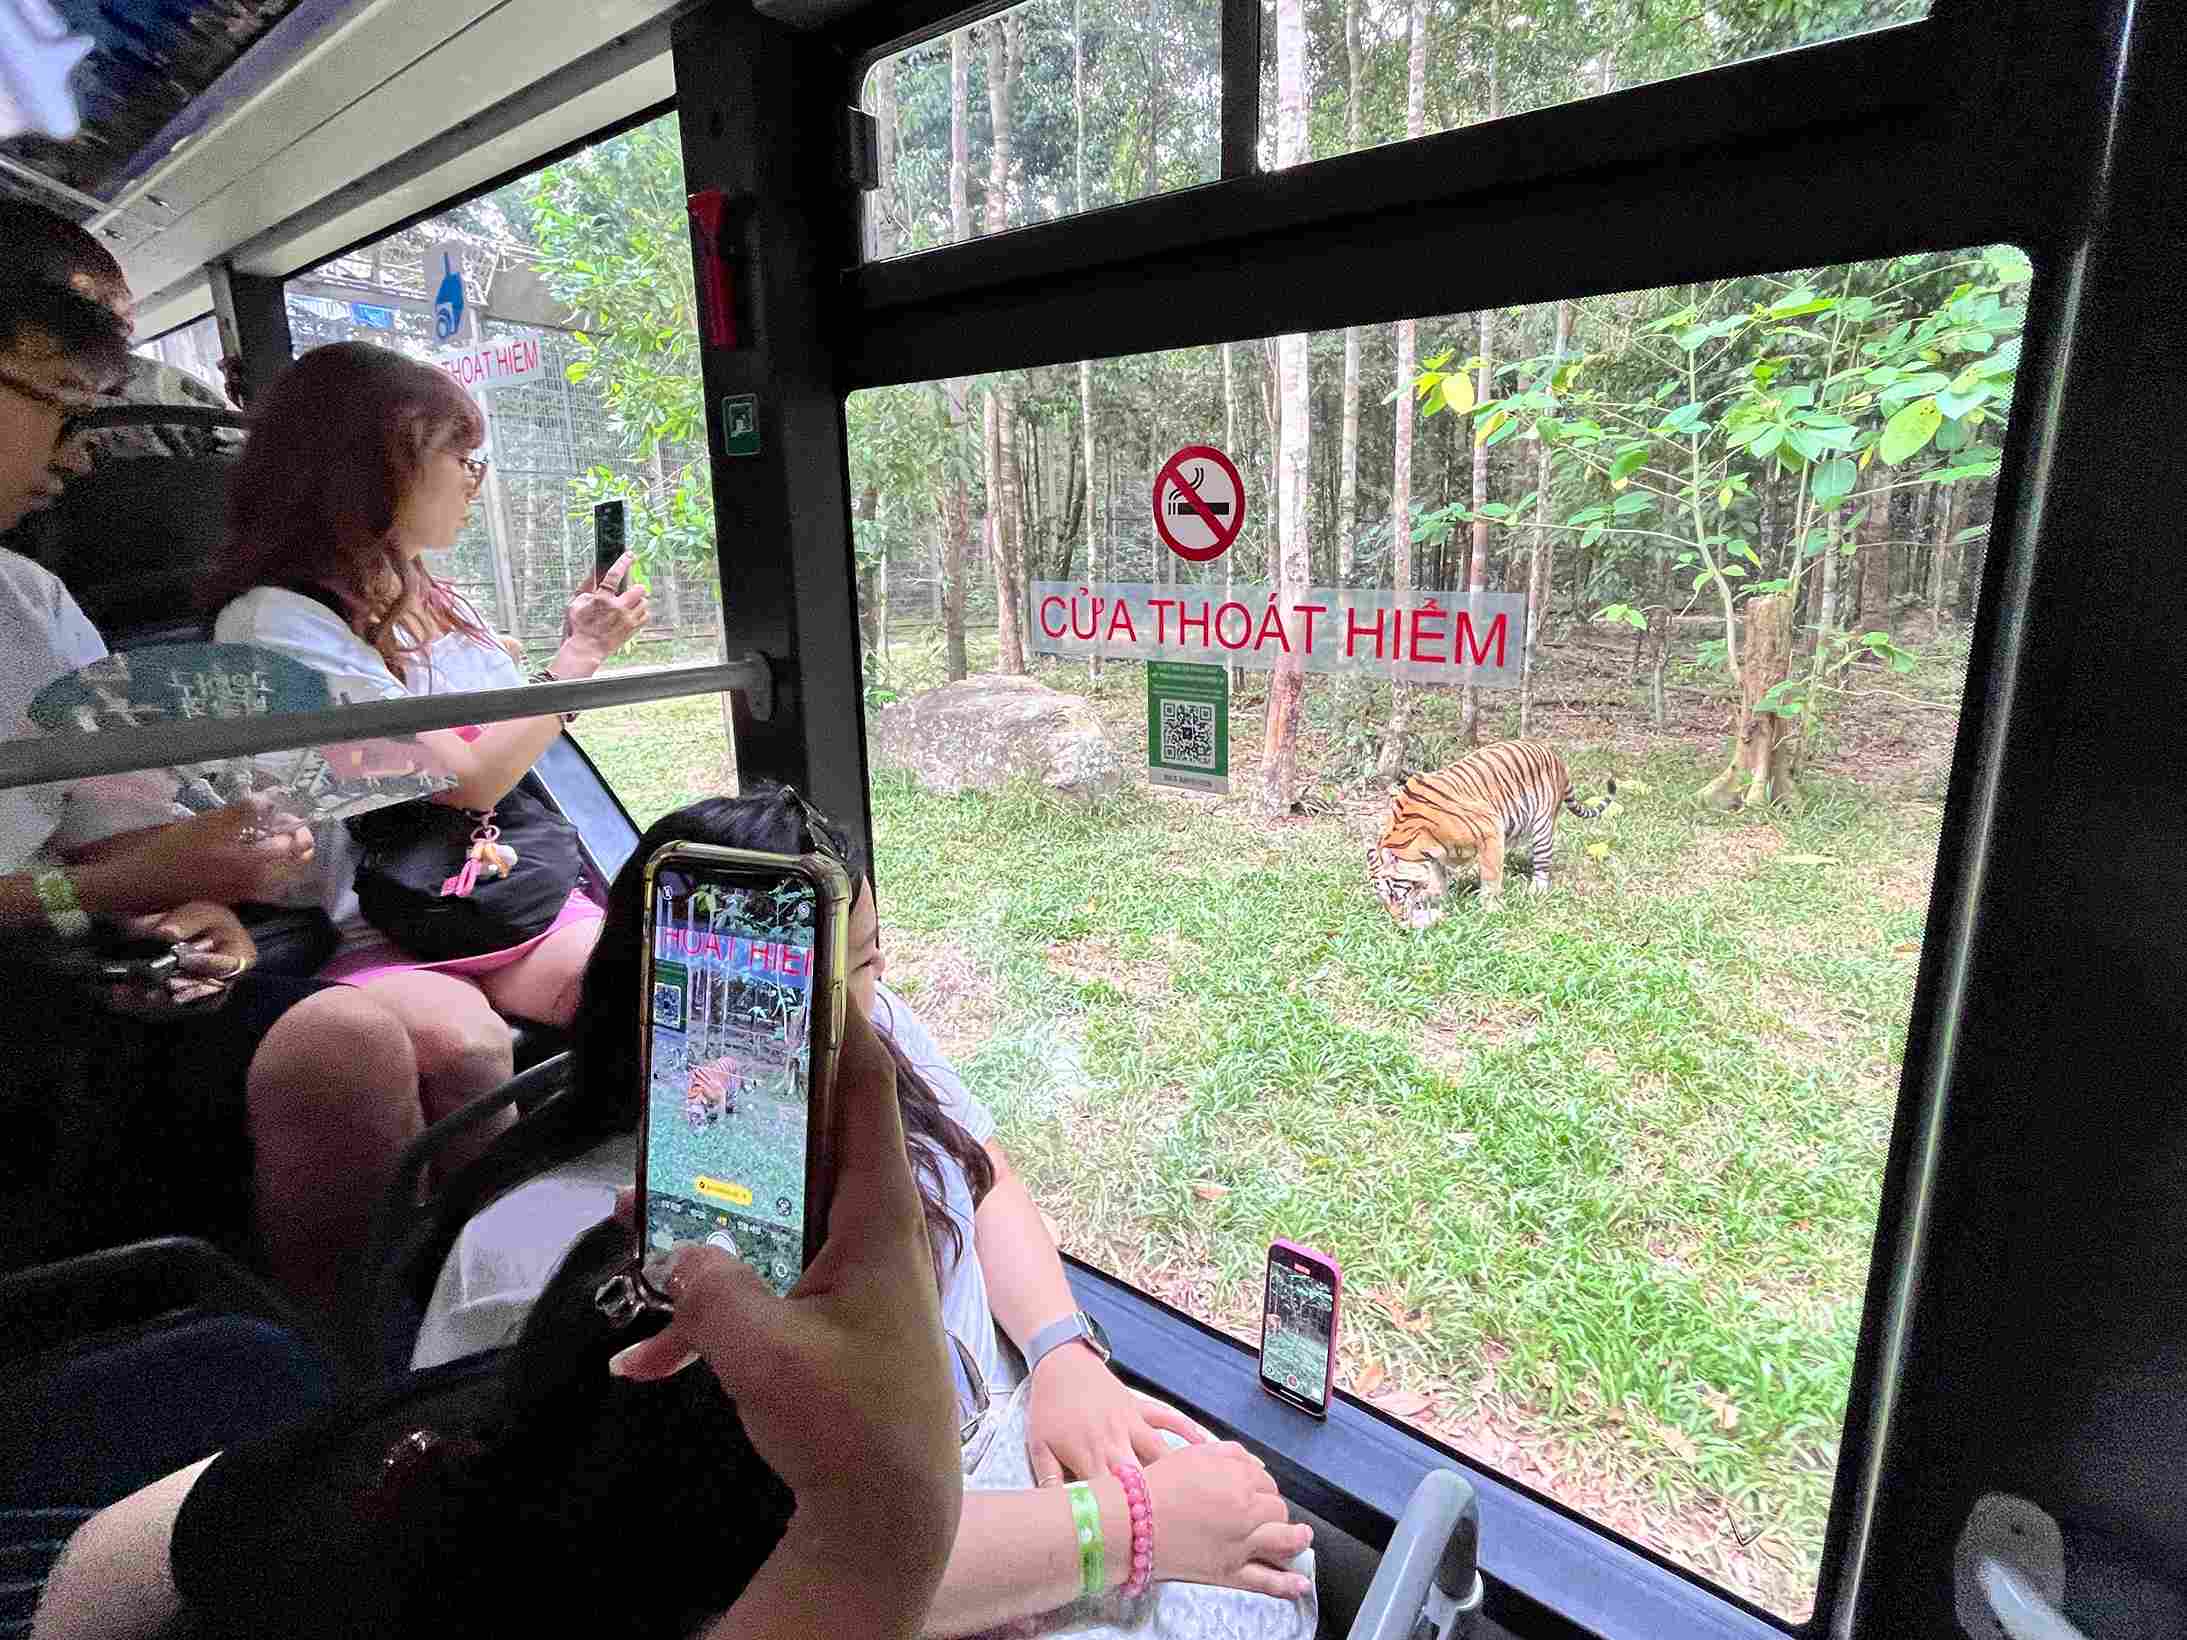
x=488, y=855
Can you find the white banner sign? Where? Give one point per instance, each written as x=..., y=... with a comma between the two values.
x=1418, y=637
x=489, y=365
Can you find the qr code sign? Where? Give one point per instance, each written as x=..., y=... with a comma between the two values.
x=668, y=1006
x=1188, y=734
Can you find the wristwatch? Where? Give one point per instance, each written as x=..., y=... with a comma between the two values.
x=1073, y=1327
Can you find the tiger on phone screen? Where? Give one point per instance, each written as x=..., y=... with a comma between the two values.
x=1468, y=812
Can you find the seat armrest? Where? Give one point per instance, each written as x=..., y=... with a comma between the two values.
x=1430, y=1569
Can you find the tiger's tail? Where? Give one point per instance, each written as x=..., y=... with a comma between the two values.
x=1584, y=811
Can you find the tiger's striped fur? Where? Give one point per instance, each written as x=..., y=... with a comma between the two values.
x=1468, y=812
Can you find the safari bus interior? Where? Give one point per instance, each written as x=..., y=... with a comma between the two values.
x=1977, y=1425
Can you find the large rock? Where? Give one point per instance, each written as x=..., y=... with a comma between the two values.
x=986, y=731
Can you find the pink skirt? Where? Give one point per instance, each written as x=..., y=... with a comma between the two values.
x=377, y=958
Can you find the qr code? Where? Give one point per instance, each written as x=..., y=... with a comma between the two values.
x=668, y=1006
x=1188, y=734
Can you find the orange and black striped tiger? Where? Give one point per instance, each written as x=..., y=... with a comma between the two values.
x=1469, y=811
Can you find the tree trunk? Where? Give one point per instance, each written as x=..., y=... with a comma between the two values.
x=1760, y=771
x=1469, y=710
x=1875, y=565
x=1542, y=561
x=882, y=215
x=1940, y=554
x=1287, y=686
x=1397, y=735
x=880, y=591
x=1005, y=58
x=956, y=496
x=1230, y=448
x=1348, y=459
x=1095, y=569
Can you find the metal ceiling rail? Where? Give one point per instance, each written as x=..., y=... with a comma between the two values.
x=48, y=759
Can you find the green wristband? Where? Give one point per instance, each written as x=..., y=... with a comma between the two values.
x=1093, y=1554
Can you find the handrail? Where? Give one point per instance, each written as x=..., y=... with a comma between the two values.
x=41, y=760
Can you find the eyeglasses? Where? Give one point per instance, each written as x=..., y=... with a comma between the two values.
x=476, y=467
x=69, y=409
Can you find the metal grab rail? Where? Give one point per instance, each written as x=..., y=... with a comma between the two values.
x=41, y=760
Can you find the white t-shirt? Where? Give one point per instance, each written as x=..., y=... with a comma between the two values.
x=503, y=1258
x=306, y=630
x=44, y=635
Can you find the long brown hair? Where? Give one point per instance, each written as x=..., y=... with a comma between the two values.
x=335, y=442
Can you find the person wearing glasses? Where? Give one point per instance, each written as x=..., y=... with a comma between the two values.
x=360, y=463
x=1053, y=1444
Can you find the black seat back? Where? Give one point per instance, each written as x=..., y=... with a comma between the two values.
x=132, y=539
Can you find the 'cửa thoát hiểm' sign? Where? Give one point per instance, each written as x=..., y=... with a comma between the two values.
x=1416, y=637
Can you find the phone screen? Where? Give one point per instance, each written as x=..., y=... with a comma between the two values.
x=729, y=1014
x=607, y=539
x=1295, y=1332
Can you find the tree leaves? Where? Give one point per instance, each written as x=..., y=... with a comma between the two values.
x=1629, y=461
x=1905, y=433
x=1833, y=481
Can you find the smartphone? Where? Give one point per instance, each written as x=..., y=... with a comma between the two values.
x=608, y=541
x=1299, y=1327
x=121, y=962
x=742, y=1002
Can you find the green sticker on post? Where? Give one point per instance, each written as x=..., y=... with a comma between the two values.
x=740, y=425
x=1188, y=726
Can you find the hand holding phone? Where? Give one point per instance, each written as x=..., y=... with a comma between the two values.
x=1299, y=1327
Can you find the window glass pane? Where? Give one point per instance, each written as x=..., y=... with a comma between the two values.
x=661, y=754
x=575, y=335
x=1360, y=72
x=1093, y=105
x=1601, y=1166
x=194, y=350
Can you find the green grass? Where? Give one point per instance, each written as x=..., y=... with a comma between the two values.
x=1601, y=1167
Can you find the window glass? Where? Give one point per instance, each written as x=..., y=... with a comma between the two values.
x=1057, y=107
x=574, y=329
x=193, y=349
x=1601, y=1166
x=1360, y=75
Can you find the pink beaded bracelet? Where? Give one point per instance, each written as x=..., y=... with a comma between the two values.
x=1134, y=1483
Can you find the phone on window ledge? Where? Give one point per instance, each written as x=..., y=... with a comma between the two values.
x=1299, y=1327
x=609, y=537
x=742, y=1001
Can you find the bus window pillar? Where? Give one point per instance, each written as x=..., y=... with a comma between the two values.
x=253, y=317
x=761, y=113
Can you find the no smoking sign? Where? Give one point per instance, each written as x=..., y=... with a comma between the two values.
x=1199, y=503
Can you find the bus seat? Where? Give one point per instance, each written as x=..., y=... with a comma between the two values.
x=131, y=538
x=411, y=1237
x=124, y=1365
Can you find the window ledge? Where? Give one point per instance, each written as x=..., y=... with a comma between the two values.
x=1357, y=1468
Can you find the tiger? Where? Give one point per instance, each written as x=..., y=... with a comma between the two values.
x=1469, y=811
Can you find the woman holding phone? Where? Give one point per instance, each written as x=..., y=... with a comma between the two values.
x=361, y=463
x=1223, y=1557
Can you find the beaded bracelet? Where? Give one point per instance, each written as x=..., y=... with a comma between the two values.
x=1134, y=1483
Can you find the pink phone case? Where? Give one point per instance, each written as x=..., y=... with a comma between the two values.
x=1336, y=1306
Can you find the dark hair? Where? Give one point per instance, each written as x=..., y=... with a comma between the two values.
x=770, y=819
x=86, y=333
x=39, y=248
x=335, y=442
x=566, y=1491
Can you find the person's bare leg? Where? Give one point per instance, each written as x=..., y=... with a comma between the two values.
x=545, y=982
x=333, y=1099
x=463, y=1049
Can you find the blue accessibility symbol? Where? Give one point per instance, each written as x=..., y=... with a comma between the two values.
x=448, y=300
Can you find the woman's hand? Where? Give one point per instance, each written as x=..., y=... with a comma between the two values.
x=1218, y=1518
x=228, y=856
x=1079, y=1420
x=598, y=623
x=844, y=1386
x=213, y=950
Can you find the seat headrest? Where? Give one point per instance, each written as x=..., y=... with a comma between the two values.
x=132, y=539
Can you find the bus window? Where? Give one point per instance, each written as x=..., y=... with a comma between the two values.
x=194, y=349
x=1060, y=108
x=1602, y=1165
x=1368, y=65
x=563, y=303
